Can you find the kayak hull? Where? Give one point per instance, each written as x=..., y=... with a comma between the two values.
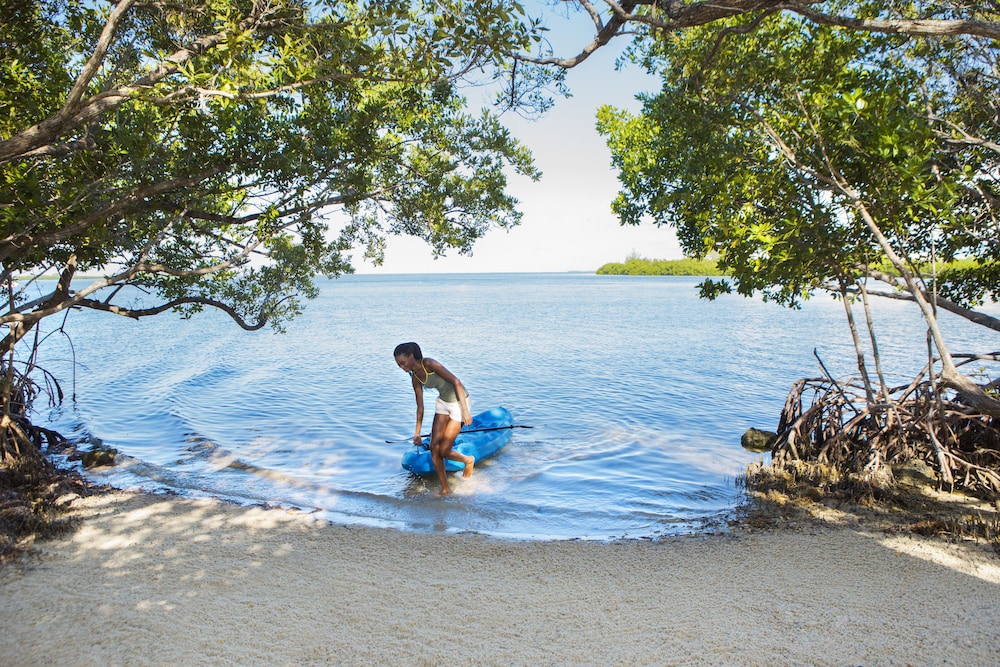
x=472, y=441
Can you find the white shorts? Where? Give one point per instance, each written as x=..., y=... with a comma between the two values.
x=453, y=410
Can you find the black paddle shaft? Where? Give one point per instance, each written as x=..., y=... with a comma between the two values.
x=471, y=430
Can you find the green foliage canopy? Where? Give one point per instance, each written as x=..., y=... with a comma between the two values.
x=223, y=152
x=774, y=141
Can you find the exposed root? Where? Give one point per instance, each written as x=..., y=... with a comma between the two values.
x=834, y=425
x=33, y=492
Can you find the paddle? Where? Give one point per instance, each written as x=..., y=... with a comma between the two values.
x=471, y=430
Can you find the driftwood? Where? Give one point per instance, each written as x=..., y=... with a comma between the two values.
x=837, y=424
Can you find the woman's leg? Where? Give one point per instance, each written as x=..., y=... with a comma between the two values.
x=443, y=434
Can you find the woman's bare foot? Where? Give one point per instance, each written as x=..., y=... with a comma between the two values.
x=470, y=463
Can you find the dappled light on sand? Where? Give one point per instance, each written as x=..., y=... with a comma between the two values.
x=944, y=554
x=159, y=529
x=162, y=580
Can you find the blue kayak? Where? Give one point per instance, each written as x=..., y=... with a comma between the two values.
x=487, y=434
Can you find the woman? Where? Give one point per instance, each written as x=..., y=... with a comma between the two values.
x=450, y=411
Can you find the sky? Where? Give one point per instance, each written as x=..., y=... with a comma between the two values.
x=568, y=224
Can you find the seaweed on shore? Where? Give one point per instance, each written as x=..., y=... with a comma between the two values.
x=917, y=459
x=34, y=499
x=907, y=501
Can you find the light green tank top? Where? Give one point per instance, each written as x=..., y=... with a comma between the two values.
x=446, y=390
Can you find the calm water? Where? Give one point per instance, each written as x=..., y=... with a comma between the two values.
x=638, y=393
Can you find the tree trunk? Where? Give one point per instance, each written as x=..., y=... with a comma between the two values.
x=972, y=393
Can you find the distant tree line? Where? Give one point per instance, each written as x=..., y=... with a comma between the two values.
x=640, y=266
x=634, y=265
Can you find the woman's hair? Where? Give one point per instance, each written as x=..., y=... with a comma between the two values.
x=408, y=348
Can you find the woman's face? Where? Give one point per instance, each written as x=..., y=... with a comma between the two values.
x=406, y=362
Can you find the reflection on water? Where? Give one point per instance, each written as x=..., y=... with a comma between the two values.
x=638, y=393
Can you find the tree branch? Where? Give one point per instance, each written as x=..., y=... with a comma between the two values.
x=964, y=138
x=148, y=312
x=79, y=112
x=11, y=245
x=601, y=38
x=96, y=58
x=61, y=299
x=944, y=304
x=941, y=302
x=913, y=27
x=723, y=34
x=671, y=15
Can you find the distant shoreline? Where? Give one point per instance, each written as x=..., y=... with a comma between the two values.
x=640, y=266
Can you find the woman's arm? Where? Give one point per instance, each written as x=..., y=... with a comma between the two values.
x=418, y=391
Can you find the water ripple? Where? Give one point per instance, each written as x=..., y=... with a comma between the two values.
x=638, y=393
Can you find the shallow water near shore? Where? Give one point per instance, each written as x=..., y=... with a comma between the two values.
x=637, y=393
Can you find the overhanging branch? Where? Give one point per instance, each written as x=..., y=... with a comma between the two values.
x=939, y=301
x=139, y=196
x=671, y=15
x=156, y=310
x=913, y=27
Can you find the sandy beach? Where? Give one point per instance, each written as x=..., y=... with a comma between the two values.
x=155, y=580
